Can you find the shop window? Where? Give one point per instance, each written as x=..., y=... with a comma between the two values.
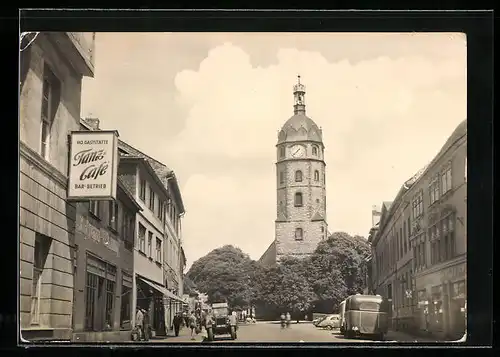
x=100, y=285
x=126, y=302
x=298, y=176
x=41, y=251
x=436, y=308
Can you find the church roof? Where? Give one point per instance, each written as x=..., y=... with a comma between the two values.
x=300, y=128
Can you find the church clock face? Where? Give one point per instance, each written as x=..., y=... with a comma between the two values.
x=298, y=151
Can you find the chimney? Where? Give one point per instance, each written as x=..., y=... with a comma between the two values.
x=93, y=123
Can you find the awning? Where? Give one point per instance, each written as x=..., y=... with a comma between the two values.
x=161, y=289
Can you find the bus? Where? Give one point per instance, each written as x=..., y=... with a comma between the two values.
x=341, y=315
x=366, y=315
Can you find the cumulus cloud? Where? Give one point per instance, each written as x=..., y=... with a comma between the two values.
x=382, y=120
x=386, y=105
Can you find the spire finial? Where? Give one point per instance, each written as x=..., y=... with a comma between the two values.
x=298, y=78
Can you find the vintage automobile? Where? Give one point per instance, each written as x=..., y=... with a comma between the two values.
x=330, y=322
x=318, y=320
x=219, y=322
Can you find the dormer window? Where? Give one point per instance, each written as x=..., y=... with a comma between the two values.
x=298, y=176
x=315, y=150
x=298, y=199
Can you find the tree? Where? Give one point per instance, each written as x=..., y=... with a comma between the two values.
x=225, y=274
x=336, y=267
x=284, y=288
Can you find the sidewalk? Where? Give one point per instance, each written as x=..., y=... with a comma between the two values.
x=184, y=337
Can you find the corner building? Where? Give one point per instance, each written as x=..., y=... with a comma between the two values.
x=420, y=248
x=300, y=186
x=52, y=65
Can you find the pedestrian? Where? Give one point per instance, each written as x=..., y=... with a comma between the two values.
x=139, y=323
x=288, y=319
x=192, y=325
x=145, y=324
x=282, y=319
x=177, y=324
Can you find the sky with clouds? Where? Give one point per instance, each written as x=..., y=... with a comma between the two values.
x=209, y=105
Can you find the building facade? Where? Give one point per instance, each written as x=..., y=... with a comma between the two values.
x=148, y=251
x=301, y=187
x=419, y=250
x=104, y=235
x=52, y=66
x=171, y=208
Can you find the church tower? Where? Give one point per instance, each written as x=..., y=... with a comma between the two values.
x=300, y=183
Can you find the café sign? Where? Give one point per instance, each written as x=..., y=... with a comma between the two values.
x=93, y=165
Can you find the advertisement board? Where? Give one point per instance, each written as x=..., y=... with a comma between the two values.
x=93, y=165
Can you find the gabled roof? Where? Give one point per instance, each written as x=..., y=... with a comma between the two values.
x=147, y=166
x=165, y=174
x=128, y=194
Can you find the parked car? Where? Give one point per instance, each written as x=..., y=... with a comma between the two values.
x=318, y=320
x=330, y=322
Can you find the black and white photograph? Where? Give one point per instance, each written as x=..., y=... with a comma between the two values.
x=242, y=187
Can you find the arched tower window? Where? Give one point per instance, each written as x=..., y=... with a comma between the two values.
x=282, y=177
x=299, y=234
x=316, y=175
x=315, y=150
x=298, y=176
x=298, y=199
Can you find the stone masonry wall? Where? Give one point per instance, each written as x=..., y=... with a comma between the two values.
x=44, y=210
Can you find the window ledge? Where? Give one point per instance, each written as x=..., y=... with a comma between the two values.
x=43, y=165
x=142, y=253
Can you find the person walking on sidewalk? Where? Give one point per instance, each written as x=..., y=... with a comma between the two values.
x=139, y=319
x=177, y=323
x=145, y=325
x=288, y=319
x=192, y=325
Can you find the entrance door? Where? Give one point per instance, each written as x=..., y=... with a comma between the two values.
x=159, y=315
x=101, y=303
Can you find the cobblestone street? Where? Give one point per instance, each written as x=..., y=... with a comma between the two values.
x=271, y=332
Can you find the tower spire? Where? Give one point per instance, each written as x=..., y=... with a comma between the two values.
x=299, y=92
